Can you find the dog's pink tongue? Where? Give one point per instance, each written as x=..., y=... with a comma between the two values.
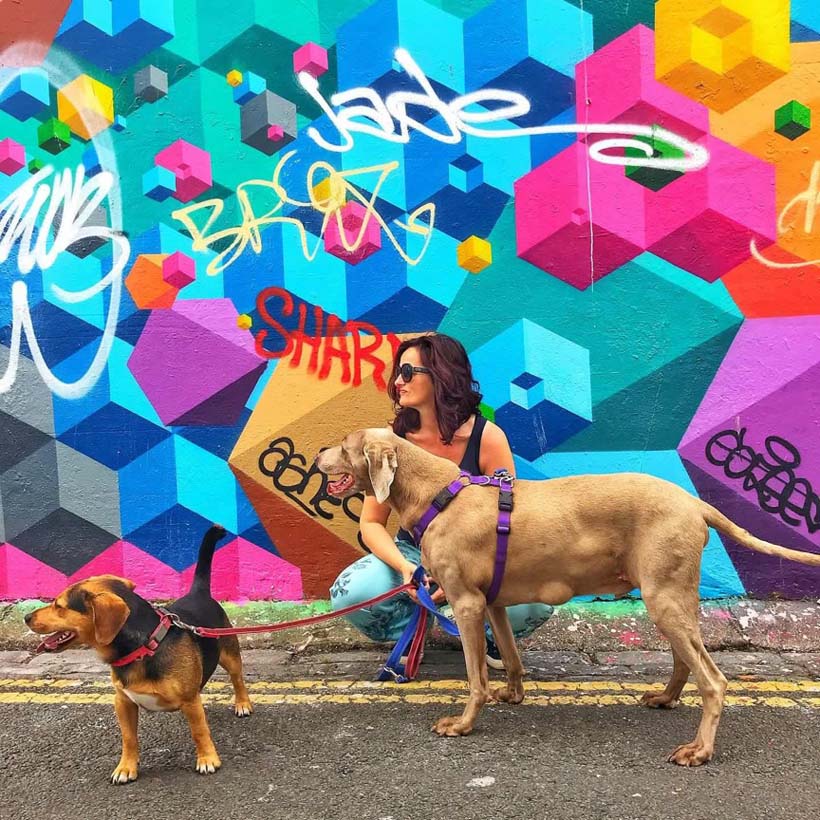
x=51, y=642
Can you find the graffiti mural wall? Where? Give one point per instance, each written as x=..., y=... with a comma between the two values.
x=217, y=225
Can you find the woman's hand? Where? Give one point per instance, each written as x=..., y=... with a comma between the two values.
x=406, y=577
x=439, y=596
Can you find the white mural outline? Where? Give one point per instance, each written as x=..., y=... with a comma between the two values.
x=34, y=205
x=383, y=116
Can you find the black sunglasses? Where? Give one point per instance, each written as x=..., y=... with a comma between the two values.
x=406, y=371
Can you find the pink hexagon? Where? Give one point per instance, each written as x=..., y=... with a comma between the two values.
x=311, y=58
x=178, y=270
x=352, y=215
x=12, y=156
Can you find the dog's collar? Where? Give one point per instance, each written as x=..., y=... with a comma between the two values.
x=150, y=647
x=505, y=483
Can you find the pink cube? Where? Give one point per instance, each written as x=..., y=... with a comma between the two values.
x=12, y=156
x=311, y=58
x=275, y=133
x=617, y=83
x=178, y=270
x=353, y=215
x=190, y=165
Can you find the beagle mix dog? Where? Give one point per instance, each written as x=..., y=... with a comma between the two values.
x=155, y=664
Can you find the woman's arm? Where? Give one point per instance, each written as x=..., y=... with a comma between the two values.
x=495, y=452
x=372, y=525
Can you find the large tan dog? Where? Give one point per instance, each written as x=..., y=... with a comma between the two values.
x=583, y=535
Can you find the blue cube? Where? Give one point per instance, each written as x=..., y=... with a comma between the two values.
x=159, y=183
x=119, y=123
x=91, y=162
x=26, y=95
x=251, y=86
x=466, y=173
x=526, y=390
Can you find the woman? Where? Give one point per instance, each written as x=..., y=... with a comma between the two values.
x=436, y=404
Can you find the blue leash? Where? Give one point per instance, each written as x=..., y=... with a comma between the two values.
x=394, y=669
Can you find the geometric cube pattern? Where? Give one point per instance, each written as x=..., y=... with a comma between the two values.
x=301, y=186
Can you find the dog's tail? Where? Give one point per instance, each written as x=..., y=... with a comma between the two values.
x=715, y=518
x=202, y=574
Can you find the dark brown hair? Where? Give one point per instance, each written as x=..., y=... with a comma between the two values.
x=455, y=389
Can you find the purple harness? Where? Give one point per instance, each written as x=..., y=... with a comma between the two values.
x=504, y=481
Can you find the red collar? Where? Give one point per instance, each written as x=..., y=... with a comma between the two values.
x=149, y=648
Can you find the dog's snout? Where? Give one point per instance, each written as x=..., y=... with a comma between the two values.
x=27, y=618
x=321, y=450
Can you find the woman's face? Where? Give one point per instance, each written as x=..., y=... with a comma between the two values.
x=419, y=390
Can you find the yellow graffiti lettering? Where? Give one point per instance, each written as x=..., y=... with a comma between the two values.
x=326, y=195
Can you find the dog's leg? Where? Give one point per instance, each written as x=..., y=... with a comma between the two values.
x=668, y=699
x=513, y=692
x=128, y=717
x=469, y=612
x=207, y=760
x=230, y=660
x=680, y=625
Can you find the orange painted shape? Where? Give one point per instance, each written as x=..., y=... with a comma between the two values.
x=28, y=30
x=145, y=283
x=761, y=291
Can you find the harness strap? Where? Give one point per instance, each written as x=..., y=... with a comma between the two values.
x=505, y=482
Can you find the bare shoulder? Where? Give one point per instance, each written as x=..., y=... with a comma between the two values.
x=493, y=434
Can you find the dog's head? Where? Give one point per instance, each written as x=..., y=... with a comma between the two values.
x=365, y=461
x=91, y=612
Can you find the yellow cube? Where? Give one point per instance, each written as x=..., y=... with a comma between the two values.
x=234, y=77
x=86, y=106
x=244, y=321
x=329, y=194
x=474, y=254
x=721, y=52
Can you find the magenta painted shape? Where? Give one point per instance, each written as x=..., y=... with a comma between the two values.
x=154, y=579
x=552, y=225
x=311, y=58
x=739, y=207
x=190, y=165
x=617, y=83
x=192, y=356
x=12, y=156
x=178, y=270
x=353, y=214
x=23, y=576
x=244, y=571
x=636, y=213
x=275, y=133
x=758, y=407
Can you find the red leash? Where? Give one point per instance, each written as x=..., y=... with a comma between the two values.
x=209, y=632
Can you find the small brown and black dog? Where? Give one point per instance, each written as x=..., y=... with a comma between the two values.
x=106, y=614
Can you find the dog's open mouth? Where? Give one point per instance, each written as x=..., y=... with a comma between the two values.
x=340, y=485
x=55, y=642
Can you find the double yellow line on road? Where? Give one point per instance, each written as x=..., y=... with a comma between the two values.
x=778, y=694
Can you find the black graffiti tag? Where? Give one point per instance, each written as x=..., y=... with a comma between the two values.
x=771, y=475
x=292, y=476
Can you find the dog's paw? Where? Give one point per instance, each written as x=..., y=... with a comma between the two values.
x=691, y=754
x=505, y=694
x=658, y=700
x=126, y=772
x=243, y=708
x=452, y=727
x=208, y=764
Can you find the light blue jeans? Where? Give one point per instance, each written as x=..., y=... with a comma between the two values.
x=370, y=576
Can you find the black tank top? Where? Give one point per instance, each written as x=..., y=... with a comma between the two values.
x=469, y=462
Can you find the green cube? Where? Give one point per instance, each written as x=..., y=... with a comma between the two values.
x=54, y=136
x=792, y=120
x=35, y=165
x=653, y=178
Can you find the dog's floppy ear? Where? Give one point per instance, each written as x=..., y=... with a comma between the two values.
x=110, y=613
x=381, y=466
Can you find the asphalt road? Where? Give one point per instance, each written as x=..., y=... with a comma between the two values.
x=304, y=755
